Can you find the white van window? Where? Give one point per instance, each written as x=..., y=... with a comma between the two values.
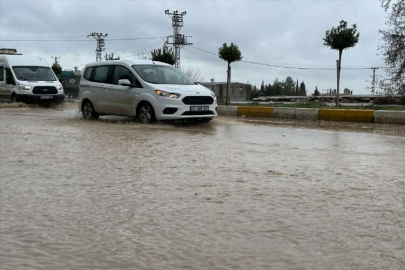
x=87, y=73
x=101, y=74
x=121, y=73
x=9, y=77
x=1, y=74
x=31, y=73
x=162, y=74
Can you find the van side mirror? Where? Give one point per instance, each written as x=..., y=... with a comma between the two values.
x=124, y=82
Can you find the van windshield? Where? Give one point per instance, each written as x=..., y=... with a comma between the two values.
x=162, y=74
x=31, y=73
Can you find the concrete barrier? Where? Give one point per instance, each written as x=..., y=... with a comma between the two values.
x=363, y=116
x=306, y=114
x=390, y=117
x=227, y=110
x=284, y=113
x=255, y=111
x=296, y=113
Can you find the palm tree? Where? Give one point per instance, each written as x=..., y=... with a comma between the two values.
x=341, y=38
x=229, y=54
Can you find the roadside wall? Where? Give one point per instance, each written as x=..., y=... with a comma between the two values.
x=362, y=116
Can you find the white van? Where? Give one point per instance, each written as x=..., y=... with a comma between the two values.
x=28, y=79
x=149, y=90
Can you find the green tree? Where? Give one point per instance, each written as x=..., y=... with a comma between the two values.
x=110, y=57
x=289, y=86
x=277, y=87
x=302, y=90
x=165, y=55
x=341, y=38
x=262, y=88
x=316, y=92
x=57, y=69
x=347, y=91
x=270, y=90
x=297, y=89
x=255, y=92
x=393, y=49
x=229, y=54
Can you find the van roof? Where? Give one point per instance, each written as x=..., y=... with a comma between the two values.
x=24, y=60
x=128, y=62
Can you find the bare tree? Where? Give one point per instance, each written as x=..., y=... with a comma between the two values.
x=393, y=49
x=194, y=74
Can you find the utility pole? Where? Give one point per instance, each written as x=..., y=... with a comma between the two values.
x=99, y=37
x=177, y=39
x=338, y=83
x=56, y=59
x=373, y=81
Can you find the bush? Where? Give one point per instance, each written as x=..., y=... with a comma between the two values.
x=402, y=100
x=384, y=100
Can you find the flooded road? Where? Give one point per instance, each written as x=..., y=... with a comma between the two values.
x=230, y=194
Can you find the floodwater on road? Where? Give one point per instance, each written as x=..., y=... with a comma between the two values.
x=230, y=194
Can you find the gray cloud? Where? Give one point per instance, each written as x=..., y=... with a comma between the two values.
x=274, y=32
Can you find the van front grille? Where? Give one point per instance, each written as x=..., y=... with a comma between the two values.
x=198, y=113
x=44, y=90
x=198, y=100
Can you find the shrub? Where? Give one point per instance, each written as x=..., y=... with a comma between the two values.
x=384, y=100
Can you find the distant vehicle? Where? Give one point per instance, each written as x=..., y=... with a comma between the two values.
x=70, y=81
x=149, y=90
x=28, y=79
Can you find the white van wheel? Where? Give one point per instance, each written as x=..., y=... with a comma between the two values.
x=14, y=98
x=146, y=114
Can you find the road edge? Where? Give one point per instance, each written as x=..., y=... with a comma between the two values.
x=342, y=115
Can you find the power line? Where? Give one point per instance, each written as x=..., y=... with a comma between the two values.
x=325, y=1
x=77, y=40
x=284, y=66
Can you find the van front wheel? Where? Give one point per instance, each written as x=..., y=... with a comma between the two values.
x=88, y=111
x=14, y=98
x=146, y=114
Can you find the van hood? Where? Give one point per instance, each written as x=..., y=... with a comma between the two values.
x=195, y=89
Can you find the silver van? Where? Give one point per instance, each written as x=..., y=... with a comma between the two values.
x=149, y=90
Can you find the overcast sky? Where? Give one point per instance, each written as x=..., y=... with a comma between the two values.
x=280, y=32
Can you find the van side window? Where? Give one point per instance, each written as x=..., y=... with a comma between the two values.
x=9, y=77
x=101, y=74
x=121, y=73
x=87, y=73
x=1, y=74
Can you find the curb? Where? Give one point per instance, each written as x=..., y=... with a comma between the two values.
x=344, y=115
x=389, y=117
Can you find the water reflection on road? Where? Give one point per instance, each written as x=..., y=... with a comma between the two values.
x=230, y=194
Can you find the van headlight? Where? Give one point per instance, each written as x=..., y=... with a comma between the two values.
x=25, y=87
x=59, y=87
x=213, y=95
x=167, y=94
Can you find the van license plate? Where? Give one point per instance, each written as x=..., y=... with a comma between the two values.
x=199, y=108
x=46, y=97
